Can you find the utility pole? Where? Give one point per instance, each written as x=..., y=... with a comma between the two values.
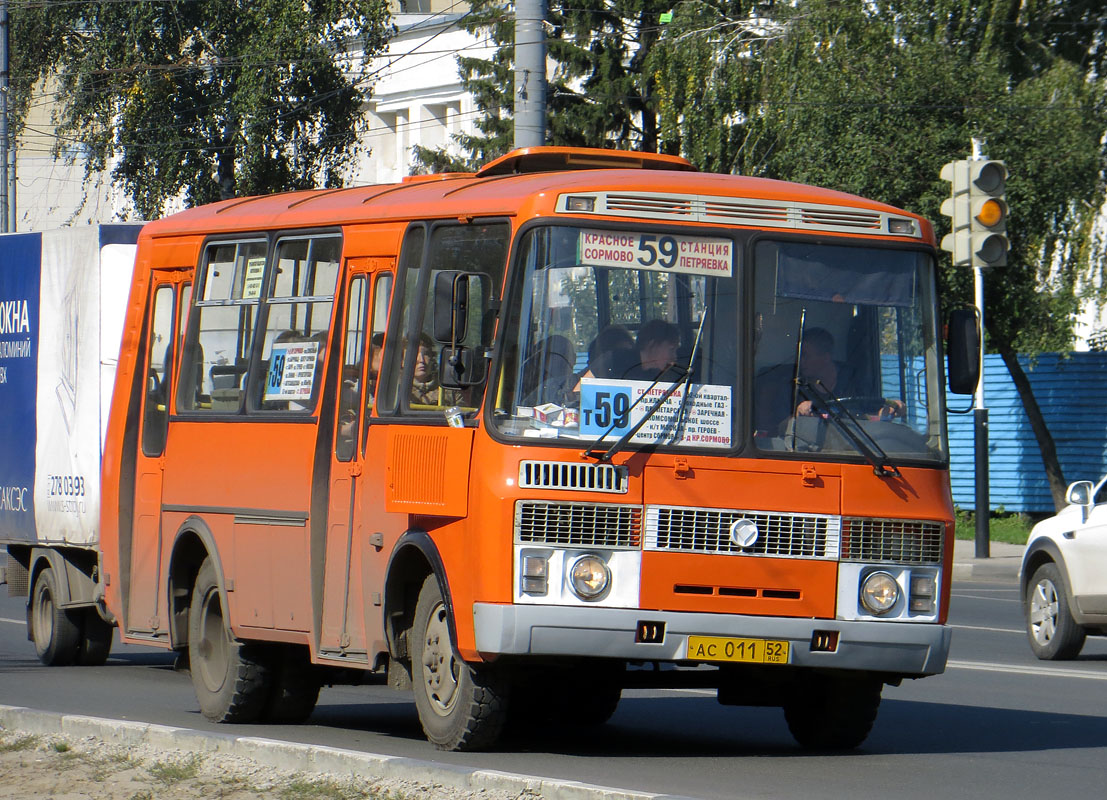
x=5, y=208
x=530, y=73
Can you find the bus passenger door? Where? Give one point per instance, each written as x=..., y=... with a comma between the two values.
x=344, y=607
x=144, y=611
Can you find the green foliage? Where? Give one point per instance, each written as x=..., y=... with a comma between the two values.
x=1002, y=526
x=873, y=99
x=216, y=99
x=171, y=772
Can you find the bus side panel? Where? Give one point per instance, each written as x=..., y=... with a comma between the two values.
x=254, y=478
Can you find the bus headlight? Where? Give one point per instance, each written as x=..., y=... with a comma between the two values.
x=589, y=577
x=879, y=592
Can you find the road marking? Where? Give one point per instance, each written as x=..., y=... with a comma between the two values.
x=984, y=666
x=14, y=621
x=993, y=630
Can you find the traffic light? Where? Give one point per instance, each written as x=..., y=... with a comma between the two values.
x=978, y=212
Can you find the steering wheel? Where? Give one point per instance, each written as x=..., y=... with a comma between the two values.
x=868, y=406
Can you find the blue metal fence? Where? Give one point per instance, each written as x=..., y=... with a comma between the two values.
x=1072, y=393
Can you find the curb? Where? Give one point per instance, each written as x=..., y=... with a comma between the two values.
x=309, y=759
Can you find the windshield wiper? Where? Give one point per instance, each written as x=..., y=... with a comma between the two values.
x=605, y=455
x=683, y=380
x=828, y=403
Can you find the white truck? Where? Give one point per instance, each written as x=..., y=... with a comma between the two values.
x=62, y=300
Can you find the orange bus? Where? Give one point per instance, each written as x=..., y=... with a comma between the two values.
x=520, y=439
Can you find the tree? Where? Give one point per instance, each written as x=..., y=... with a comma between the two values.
x=214, y=99
x=874, y=99
x=599, y=92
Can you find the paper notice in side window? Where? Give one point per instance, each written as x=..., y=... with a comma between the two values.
x=291, y=373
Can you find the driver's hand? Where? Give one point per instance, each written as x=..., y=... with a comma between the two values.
x=892, y=409
x=805, y=409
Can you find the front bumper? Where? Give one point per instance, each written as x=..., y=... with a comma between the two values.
x=901, y=648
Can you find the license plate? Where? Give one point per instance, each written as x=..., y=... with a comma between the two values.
x=746, y=651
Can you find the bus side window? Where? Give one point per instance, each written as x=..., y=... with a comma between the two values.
x=221, y=327
x=296, y=324
x=155, y=421
x=475, y=248
x=350, y=387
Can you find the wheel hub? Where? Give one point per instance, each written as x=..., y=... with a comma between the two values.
x=1043, y=612
x=440, y=669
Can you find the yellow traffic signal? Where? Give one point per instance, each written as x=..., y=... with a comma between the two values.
x=978, y=212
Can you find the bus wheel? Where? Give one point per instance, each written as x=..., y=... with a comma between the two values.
x=295, y=687
x=95, y=643
x=55, y=630
x=461, y=706
x=232, y=681
x=833, y=713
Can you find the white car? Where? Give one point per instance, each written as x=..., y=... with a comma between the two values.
x=1064, y=574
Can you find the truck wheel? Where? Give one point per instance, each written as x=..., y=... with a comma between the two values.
x=231, y=678
x=95, y=642
x=833, y=713
x=55, y=630
x=295, y=686
x=1053, y=633
x=461, y=706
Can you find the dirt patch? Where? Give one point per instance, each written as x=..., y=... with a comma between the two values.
x=64, y=768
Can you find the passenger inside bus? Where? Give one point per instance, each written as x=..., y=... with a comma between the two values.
x=657, y=343
x=426, y=386
x=610, y=355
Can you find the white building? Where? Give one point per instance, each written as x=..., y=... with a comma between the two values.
x=417, y=99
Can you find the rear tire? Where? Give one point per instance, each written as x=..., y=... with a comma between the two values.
x=461, y=706
x=56, y=631
x=1053, y=633
x=95, y=643
x=231, y=678
x=833, y=713
x=295, y=686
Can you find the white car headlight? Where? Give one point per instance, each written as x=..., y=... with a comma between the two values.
x=589, y=577
x=879, y=592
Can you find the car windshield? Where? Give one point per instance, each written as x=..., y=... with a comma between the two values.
x=602, y=324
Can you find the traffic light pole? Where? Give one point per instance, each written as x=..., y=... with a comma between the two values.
x=980, y=438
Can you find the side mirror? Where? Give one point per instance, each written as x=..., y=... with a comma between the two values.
x=461, y=367
x=1080, y=494
x=963, y=351
x=454, y=293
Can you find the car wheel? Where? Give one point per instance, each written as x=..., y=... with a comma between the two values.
x=1053, y=633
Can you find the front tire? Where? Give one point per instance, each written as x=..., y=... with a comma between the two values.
x=231, y=678
x=461, y=706
x=1053, y=633
x=833, y=713
x=55, y=630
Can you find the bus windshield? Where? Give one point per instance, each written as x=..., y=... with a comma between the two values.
x=637, y=337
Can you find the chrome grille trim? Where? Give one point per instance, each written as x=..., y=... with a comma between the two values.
x=740, y=211
x=899, y=541
x=573, y=477
x=612, y=527
x=707, y=530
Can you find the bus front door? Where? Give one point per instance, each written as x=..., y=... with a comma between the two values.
x=144, y=607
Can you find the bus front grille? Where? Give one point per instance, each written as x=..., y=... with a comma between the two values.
x=901, y=541
x=578, y=524
x=708, y=530
x=573, y=477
